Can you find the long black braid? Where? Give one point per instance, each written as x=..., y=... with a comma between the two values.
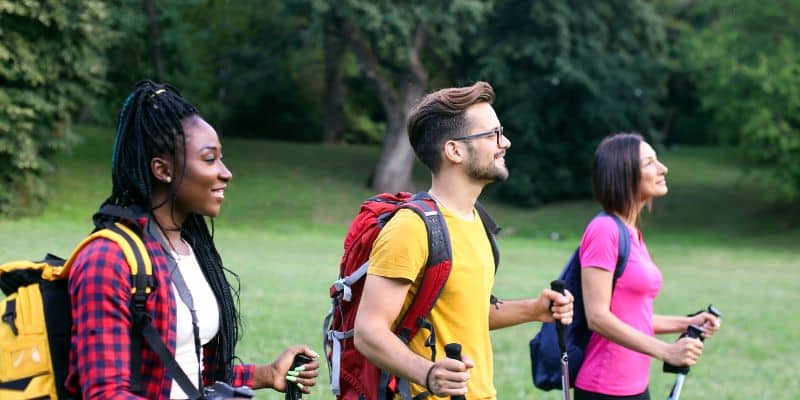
x=150, y=125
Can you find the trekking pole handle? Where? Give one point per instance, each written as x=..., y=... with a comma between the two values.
x=453, y=350
x=559, y=285
x=694, y=332
x=711, y=310
x=292, y=391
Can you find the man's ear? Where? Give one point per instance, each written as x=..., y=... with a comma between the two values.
x=162, y=169
x=454, y=152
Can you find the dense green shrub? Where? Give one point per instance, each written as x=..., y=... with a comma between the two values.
x=51, y=64
x=745, y=61
x=568, y=73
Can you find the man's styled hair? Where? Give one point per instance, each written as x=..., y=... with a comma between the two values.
x=616, y=173
x=439, y=116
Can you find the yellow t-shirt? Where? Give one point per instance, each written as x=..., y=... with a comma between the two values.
x=461, y=314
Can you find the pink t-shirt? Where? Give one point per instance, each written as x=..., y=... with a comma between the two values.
x=610, y=368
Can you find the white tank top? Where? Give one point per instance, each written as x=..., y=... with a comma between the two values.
x=207, y=315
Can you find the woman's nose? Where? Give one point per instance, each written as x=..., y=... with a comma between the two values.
x=225, y=174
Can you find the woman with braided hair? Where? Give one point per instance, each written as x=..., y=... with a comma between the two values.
x=167, y=175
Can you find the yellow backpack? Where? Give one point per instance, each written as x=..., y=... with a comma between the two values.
x=36, y=319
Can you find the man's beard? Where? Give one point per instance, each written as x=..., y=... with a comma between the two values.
x=490, y=173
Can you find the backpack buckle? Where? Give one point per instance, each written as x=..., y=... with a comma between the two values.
x=430, y=341
x=11, y=315
x=139, y=301
x=342, y=287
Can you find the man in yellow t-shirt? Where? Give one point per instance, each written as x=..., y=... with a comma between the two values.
x=457, y=135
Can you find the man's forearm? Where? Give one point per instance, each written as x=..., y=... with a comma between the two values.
x=511, y=312
x=388, y=352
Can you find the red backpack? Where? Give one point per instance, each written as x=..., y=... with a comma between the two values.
x=352, y=376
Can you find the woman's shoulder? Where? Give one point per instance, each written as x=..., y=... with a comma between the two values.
x=106, y=256
x=99, y=249
x=602, y=225
x=99, y=261
x=599, y=244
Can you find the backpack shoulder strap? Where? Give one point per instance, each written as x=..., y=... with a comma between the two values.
x=142, y=284
x=139, y=261
x=439, y=245
x=492, y=229
x=132, y=248
x=437, y=268
x=624, y=246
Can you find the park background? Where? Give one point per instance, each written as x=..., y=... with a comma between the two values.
x=310, y=98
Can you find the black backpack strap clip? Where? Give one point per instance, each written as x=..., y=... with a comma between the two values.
x=10, y=315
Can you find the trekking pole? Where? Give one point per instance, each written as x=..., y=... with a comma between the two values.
x=696, y=332
x=558, y=286
x=453, y=350
x=292, y=391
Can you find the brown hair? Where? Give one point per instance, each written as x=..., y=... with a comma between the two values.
x=439, y=116
x=616, y=173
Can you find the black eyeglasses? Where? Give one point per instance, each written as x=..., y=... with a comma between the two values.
x=496, y=131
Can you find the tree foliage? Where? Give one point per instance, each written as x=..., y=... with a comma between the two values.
x=51, y=63
x=258, y=72
x=568, y=73
x=684, y=120
x=130, y=58
x=252, y=68
x=396, y=43
x=744, y=58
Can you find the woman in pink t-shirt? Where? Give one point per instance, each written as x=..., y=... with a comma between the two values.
x=626, y=176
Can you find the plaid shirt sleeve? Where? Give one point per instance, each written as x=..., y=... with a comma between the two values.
x=243, y=375
x=100, y=291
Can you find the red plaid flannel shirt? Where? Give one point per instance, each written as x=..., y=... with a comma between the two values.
x=100, y=358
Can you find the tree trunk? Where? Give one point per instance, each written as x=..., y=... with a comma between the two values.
x=154, y=34
x=334, y=124
x=666, y=129
x=393, y=171
x=223, y=77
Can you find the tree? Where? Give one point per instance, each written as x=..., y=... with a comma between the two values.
x=143, y=37
x=745, y=61
x=685, y=121
x=252, y=67
x=334, y=125
x=154, y=35
x=52, y=63
x=392, y=41
x=568, y=73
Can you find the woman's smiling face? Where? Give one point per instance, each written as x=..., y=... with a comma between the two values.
x=201, y=175
x=653, y=181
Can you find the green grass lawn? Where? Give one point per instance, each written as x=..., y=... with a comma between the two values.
x=717, y=237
